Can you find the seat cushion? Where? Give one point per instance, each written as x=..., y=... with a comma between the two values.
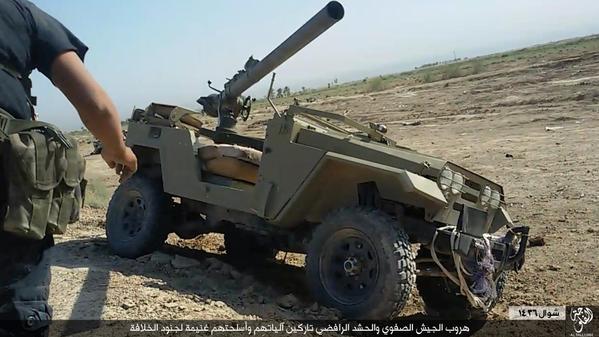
x=213, y=151
x=232, y=161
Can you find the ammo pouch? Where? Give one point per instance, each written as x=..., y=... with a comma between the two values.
x=44, y=178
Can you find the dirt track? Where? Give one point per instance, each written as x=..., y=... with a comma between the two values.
x=532, y=125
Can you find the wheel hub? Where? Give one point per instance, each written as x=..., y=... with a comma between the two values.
x=133, y=214
x=349, y=266
x=352, y=266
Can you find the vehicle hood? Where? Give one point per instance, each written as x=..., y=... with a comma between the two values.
x=391, y=155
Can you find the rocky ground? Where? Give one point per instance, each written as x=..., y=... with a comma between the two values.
x=531, y=124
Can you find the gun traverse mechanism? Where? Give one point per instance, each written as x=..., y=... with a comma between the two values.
x=228, y=104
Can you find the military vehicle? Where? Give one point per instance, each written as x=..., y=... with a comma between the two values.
x=318, y=183
x=98, y=146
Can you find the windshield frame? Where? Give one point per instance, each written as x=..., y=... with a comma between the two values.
x=321, y=117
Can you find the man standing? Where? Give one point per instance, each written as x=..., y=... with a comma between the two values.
x=31, y=39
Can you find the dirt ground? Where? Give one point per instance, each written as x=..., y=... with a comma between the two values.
x=532, y=125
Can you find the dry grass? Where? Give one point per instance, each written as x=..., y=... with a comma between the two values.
x=96, y=194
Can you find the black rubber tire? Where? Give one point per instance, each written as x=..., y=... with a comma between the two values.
x=151, y=225
x=442, y=298
x=389, y=251
x=243, y=246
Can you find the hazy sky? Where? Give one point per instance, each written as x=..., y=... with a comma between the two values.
x=145, y=51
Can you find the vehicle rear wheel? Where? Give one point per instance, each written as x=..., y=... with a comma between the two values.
x=244, y=246
x=442, y=297
x=360, y=262
x=137, y=217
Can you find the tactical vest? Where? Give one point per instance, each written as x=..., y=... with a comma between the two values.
x=44, y=174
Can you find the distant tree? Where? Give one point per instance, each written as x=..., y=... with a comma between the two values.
x=286, y=91
x=279, y=93
x=303, y=90
x=335, y=81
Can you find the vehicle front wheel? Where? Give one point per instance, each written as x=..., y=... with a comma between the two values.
x=360, y=262
x=137, y=217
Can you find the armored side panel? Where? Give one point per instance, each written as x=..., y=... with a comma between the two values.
x=334, y=183
x=311, y=171
x=181, y=169
x=285, y=165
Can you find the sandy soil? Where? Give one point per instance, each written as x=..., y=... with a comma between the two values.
x=531, y=125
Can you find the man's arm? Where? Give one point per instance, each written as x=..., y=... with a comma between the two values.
x=96, y=110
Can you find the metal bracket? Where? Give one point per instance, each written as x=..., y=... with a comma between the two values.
x=272, y=81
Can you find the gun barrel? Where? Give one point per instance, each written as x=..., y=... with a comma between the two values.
x=318, y=24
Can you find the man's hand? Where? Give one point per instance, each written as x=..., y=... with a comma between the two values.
x=96, y=110
x=123, y=162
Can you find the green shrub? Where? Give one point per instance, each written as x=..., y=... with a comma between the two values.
x=427, y=77
x=375, y=84
x=477, y=67
x=451, y=71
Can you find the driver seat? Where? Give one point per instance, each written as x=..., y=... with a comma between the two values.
x=232, y=161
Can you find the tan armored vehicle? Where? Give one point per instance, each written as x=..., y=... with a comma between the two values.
x=324, y=185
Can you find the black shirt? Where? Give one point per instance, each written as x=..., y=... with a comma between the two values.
x=29, y=39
